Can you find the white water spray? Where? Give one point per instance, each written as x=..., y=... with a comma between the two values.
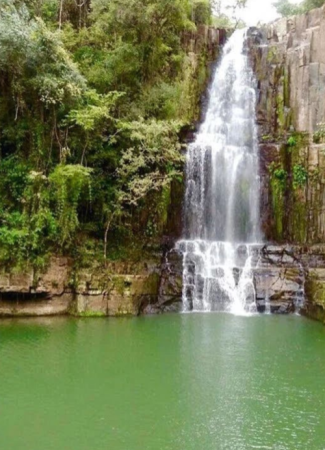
x=222, y=193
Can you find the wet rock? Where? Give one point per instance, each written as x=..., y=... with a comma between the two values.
x=288, y=57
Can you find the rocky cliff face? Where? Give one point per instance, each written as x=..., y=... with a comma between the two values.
x=293, y=53
x=285, y=274
x=289, y=61
x=121, y=288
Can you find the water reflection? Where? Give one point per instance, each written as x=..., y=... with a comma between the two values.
x=210, y=381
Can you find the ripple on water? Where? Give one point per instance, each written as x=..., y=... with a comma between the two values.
x=202, y=381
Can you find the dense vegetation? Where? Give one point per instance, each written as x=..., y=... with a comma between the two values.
x=94, y=96
x=286, y=8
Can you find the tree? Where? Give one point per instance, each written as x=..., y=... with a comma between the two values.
x=220, y=5
x=151, y=160
x=307, y=5
x=226, y=13
x=93, y=95
x=286, y=8
x=201, y=11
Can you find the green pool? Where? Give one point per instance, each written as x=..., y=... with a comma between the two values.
x=174, y=382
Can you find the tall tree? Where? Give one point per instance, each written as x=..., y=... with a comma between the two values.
x=286, y=8
x=226, y=12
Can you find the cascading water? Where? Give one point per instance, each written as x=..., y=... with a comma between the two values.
x=222, y=193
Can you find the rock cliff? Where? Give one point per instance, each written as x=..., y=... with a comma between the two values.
x=119, y=289
x=289, y=61
x=288, y=57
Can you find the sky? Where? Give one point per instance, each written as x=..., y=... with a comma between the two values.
x=260, y=11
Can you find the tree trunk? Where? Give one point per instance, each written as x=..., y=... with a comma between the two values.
x=60, y=13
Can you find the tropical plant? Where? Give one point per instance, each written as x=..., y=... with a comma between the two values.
x=93, y=97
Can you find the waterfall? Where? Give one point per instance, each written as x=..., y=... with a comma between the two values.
x=221, y=236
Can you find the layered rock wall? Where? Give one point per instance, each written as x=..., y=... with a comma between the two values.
x=119, y=289
x=288, y=57
x=289, y=61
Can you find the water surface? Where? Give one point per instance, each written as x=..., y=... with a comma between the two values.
x=183, y=382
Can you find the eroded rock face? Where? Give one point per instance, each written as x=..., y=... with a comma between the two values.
x=289, y=60
x=288, y=57
x=279, y=280
x=171, y=285
x=205, y=39
x=119, y=289
x=286, y=279
x=29, y=294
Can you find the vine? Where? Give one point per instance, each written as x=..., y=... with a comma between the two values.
x=68, y=182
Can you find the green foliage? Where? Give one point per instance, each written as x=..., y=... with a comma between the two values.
x=93, y=96
x=286, y=8
x=68, y=182
x=222, y=21
x=307, y=5
x=35, y=58
x=292, y=141
x=300, y=176
x=201, y=12
x=27, y=225
x=13, y=180
x=279, y=175
x=151, y=162
x=226, y=13
x=95, y=109
x=162, y=100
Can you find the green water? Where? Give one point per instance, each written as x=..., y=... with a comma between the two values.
x=183, y=382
